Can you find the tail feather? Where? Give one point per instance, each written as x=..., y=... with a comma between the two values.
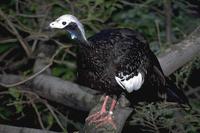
x=175, y=94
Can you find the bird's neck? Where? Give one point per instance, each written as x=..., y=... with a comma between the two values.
x=77, y=36
x=85, y=43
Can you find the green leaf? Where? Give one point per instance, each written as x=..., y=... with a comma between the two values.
x=14, y=92
x=98, y=2
x=4, y=113
x=5, y=47
x=57, y=71
x=19, y=108
x=50, y=120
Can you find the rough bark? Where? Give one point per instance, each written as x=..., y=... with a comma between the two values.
x=168, y=21
x=13, y=129
x=179, y=54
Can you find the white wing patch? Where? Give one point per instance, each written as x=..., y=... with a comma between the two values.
x=130, y=84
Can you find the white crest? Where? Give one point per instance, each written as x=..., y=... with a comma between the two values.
x=130, y=84
x=66, y=19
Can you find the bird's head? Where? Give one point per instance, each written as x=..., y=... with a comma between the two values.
x=72, y=25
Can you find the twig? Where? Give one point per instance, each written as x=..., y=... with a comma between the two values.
x=18, y=102
x=21, y=40
x=71, y=53
x=29, y=78
x=54, y=115
x=38, y=115
x=41, y=26
x=6, y=53
x=78, y=127
x=7, y=28
x=60, y=44
x=30, y=16
x=8, y=40
x=34, y=75
x=67, y=50
x=146, y=4
x=71, y=5
x=32, y=99
x=25, y=15
x=193, y=90
x=23, y=28
x=66, y=63
x=37, y=36
x=168, y=25
x=158, y=32
x=16, y=64
x=12, y=58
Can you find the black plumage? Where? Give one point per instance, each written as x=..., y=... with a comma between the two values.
x=113, y=51
x=115, y=62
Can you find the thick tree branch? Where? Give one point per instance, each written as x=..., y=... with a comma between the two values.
x=168, y=19
x=179, y=54
x=13, y=129
x=58, y=90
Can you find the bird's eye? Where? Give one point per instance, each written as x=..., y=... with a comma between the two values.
x=64, y=23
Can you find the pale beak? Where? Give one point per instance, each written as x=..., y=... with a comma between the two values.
x=52, y=25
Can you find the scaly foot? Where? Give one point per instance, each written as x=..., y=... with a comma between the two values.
x=103, y=117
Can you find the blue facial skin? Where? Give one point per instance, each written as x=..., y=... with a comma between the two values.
x=75, y=36
x=75, y=33
x=72, y=34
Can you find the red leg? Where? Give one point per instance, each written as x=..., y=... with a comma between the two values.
x=101, y=118
x=112, y=106
x=108, y=119
x=103, y=108
x=95, y=116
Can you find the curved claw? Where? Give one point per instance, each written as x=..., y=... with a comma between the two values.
x=106, y=120
x=103, y=117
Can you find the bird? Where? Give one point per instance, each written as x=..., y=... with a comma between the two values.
x=118, y=61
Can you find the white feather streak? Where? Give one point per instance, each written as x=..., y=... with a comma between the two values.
x=131, y=84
